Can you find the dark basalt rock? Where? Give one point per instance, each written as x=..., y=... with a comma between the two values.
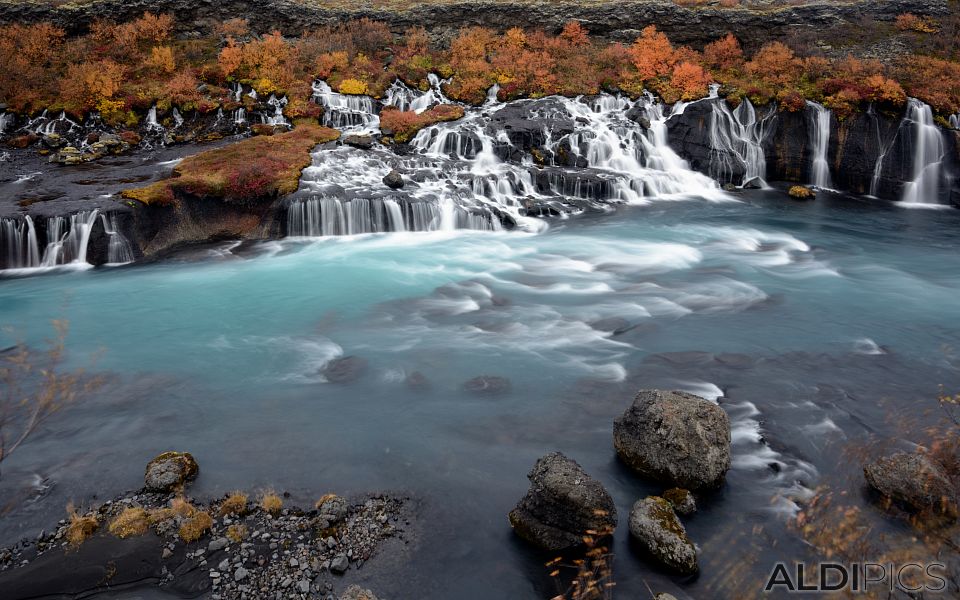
x=344, y=370
x=675, y=437
x=914, y=481
x=563, y=503
x=393, y=180
x=169, y=471
x=682, y=501
x=364, y=142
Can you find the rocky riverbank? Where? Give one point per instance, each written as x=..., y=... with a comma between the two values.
x=233, y=547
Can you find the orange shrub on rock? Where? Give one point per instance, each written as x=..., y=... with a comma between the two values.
x=404, y=124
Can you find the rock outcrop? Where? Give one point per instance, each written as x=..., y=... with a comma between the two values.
x=675, y=437
x=655, y=526
x=562, y=504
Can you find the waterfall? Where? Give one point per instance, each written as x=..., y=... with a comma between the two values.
x=736, y=142
x=18, y=239
x=119, y=250
x=928, y=152
x=344, y=111
x=819, y=133
x=44, y=125
x=151, y=122
x=954, y=121
x=177, y=118
x=68, y=244
x=326, y=216
x=277, y=117
x=5, y=120
x=405, y=98
x=240, y=116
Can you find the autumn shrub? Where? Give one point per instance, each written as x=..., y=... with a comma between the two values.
x=271, y=503
x=80, y=527
x=911, y=22
x=130, y=522
x=193, y=528
x=237, y=532
x=234, y=505
x=403, y=125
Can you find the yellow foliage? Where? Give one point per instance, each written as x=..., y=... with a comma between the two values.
x=161, y=59
x=353, y=86
x=235, y=504
x=237, y=533
x=80, y=528
x=271, y=503
x=193, y=528
x=130, y=522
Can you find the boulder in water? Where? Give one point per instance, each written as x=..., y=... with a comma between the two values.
x=655, y=526
x=364, y=142
x=914, y=481
x=344, y=370
x=754, y=183
x=169, y=471
x=675, y=437
x=562, y=504
x=487, y=384
x=393, y=180
x=682, y=501
x=801, y=192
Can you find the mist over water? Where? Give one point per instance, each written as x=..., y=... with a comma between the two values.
x=812, y=325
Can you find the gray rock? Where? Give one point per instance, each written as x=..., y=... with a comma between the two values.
x=562, y=504
x=240, y=574
x=754, y=183
x=393, y=180
x=682, y=501
x=218, y=544
x=344, y=370
x=364, y=142
x=304, y=586
x=355, y=592
x=339, y=565
x=332, y=509
x=664, y=596
x=170, y=470
x=914, y=481
x=656, y=528
x=675, y=437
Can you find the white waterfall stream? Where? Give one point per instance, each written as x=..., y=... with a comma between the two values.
x=736, y=142
x=18, y=238
x=928, y=153
x=819, y=135
x=119, y=250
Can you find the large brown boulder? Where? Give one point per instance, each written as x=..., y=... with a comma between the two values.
x=562, y=505
x=912, y=480
x=676, y=438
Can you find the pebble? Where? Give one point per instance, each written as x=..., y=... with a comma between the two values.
x=240, y=574
x=218, y=544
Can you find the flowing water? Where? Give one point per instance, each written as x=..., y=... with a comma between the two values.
x=928, y=154
x=814, y=325
x=736, y=142
x=819, y=134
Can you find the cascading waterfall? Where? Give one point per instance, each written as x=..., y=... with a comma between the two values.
x=819, y=133
x=177, y=118
x=954, y=121
x=884, y=147
x=151, y=122
x=475, y=173
x=928, y=152
x=44, y=125
x=736, y=142
x=277, y=117
x=18, y=238
x=346, y=112
x=404, y=98
x=240, y=116
x=67, y=240
x=119, y=250
x=5, y=120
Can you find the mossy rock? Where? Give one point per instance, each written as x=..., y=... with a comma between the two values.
x=169, y=471
x=800, y=192
x=655, y=526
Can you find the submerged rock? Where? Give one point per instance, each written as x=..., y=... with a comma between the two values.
x=914, y=481
x=682, y=501
x=487, y=384
x=562, y=504
x=800, y=192
x=355, y=592
x=364, y=142
x=393, y=180
x=344, y=370
x=675, y=437
x=656, y=528
x=170, y=470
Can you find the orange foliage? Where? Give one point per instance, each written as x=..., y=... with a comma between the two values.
x=652, y=54
x=404, y=124
x=690, y=81
x=724, y=54
x=86, y=84
x=161, y=59
x=775, y=63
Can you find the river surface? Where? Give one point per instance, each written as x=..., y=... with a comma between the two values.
x=814, y=325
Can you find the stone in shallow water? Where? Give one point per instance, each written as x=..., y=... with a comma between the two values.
x=393, y=180
x=355, y=592
x=675, y=437
x=912, y=480
x=344, y=370
x=487, y=384
x=170, y=470
x=562, y=504
x=656, y=528
x=364, y=142
x=682, y=501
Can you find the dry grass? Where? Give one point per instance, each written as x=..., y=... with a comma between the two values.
x=593, y=573
x=181, y=507
x=237, y=533
x=159, y=515
x=80, y=527
x=130, y=522
x=192, y=529
x=323, y=500
x=253, y=169
x=234, y=505
x=271, y=503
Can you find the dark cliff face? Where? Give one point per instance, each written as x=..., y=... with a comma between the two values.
x=857, y=145
x=612, y=20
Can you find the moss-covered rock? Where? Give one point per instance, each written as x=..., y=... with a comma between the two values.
x=169, y=471
x=656, y=528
